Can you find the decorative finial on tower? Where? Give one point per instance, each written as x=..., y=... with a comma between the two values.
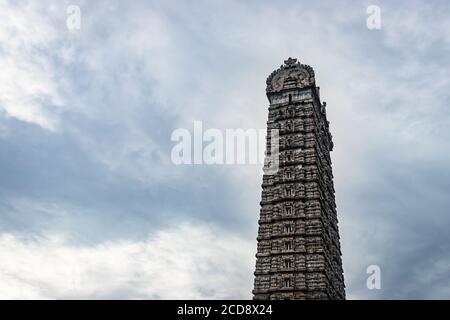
x=290, y=61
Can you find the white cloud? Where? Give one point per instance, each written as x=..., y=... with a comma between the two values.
x=185, y=262
x=27, y=79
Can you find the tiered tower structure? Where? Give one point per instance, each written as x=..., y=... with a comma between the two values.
x=298, y=255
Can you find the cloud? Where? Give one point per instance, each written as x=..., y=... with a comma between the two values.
x=29, y=43
x=185, y=261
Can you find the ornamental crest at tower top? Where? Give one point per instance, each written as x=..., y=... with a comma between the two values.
x=291, y=75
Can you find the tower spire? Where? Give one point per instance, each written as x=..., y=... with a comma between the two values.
x=298, y=254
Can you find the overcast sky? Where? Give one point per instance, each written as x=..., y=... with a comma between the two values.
x=91, y=205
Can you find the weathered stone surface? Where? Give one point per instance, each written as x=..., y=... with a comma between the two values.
x=298, y=253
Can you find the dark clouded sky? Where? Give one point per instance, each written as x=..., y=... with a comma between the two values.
x=91, y=205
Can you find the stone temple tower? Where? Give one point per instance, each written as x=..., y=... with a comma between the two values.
x=298, y=255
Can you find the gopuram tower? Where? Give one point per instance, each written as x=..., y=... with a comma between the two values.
x=298, y=255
